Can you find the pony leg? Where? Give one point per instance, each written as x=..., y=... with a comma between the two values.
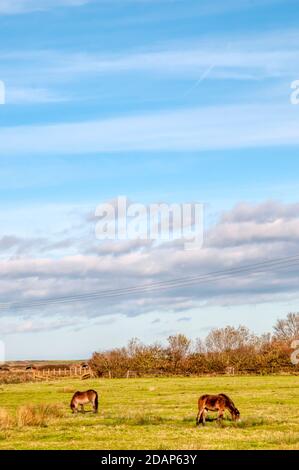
x=220, y=415
x=199, y=416
x=204, y=415
x=82, y=409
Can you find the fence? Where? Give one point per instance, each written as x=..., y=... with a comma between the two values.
x=61, y=372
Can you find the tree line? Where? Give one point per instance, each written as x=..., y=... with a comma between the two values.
x=226, y=350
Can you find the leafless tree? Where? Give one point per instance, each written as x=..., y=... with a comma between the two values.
x=287, y=329
x=178, y=347
x=199, y=346
x=229, y=339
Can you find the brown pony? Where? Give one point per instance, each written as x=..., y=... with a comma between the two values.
x=82, y=398
x=218, y=403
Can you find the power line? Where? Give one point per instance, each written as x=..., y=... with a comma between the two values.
x=256, y=268
x=161, y=284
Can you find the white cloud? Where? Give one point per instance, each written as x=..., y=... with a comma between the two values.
x=265, y=224
x=9, y=326
x=266, y=212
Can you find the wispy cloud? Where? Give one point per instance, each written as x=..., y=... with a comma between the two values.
x=13, y=7
x=259, y=55
x=256, y=58
x=219, y=127
x=203, y=8
x=232, y=57
x=33, y=96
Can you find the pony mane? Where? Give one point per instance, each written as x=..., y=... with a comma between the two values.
x=225, y=396
x=231, y=403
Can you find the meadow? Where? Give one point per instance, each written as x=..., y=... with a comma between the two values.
x=150, y=413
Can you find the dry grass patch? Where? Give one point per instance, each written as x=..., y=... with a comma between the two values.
x=38, y=415
x=15, y=377
x=6, y=420
x=66, y=390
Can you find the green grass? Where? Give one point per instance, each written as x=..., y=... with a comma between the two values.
x=157, y=414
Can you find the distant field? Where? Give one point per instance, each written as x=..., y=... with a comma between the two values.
x=155, y=414
x=21, y=364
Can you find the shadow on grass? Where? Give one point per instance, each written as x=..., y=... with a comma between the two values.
x=154, y=420
x=227, y=422
x=134, y=420
x=112, y=420
x=118, y=420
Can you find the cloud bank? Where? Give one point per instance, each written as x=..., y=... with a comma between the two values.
x=247, y=234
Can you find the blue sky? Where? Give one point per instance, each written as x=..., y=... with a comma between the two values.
x=161, y=100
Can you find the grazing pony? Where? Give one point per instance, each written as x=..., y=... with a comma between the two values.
x=82, y=398
x=218, y=403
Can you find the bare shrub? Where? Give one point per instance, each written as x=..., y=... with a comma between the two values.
x=229, y=348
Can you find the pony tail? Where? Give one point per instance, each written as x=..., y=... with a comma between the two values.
x=96, y=402
x=72, y=404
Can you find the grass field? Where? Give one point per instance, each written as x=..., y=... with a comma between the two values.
x=155, y=414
